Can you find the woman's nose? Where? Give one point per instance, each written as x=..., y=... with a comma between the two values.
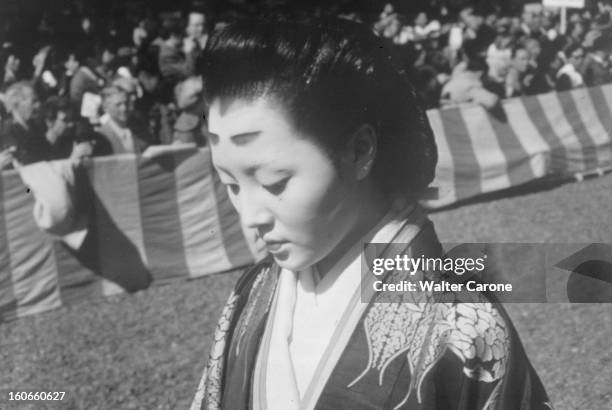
x=254, y=213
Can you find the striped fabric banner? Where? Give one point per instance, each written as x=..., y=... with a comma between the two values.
x=165, y=216
x=548, y=135
x=154, y=219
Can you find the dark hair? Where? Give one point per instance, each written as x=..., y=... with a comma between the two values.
x=472, y=53
x=172, y=28
x=519, y=46
x=331, y=76
x=55, y=105
x=602, y=43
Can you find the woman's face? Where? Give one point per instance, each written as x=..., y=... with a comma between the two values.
x=283, y=185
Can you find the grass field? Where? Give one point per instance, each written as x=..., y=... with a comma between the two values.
x=146, y=351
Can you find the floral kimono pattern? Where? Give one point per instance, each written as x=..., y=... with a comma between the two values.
x=406, y=352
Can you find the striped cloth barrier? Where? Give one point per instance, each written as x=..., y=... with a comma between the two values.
x=548, y=135
x=155, y=220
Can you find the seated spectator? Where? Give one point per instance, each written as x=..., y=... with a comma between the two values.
x=465, y=84
x=499, y=53
x=568, y=76
x=594, y=69
x=46, y=75
x=540, y=76
x=574, y=35
x=10, y=65
x=84, y=77
x=190, y=125
x=534, y=49
x=68, y=136
x=22, y=137
x=423, y=27
x=476, y=30
x=106, y=60
x=427, y=86
x=117, y=124
x=531, y=23
x=174, y=63
x=516, y=79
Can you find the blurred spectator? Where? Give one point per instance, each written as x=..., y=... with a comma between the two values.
x=453, y=58
x=83, y=78
x=117, y=124
x=428, y=86
x=499, y=53
x=568, y=76
x=190, y=126
x=23, y=136
x=516, y=79
x=69, y=137
x=176, y=64
x=476, y=30
x=531, y=24
x=574, y=34
x=140, y=34
x=10, y=65
x=595, y=69
x=197, y=35
x=465, y=84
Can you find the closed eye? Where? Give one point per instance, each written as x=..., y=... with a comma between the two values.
x=278, y=187
x=233, y=188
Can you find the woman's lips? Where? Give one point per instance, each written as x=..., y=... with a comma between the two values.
x=274, y=247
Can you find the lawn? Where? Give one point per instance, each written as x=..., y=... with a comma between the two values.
x=146, y=351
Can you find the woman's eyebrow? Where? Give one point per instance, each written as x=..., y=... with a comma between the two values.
x=244, y=137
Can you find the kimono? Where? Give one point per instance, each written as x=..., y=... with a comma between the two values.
x=403, y=350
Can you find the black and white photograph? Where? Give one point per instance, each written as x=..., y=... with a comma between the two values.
x=306, y=204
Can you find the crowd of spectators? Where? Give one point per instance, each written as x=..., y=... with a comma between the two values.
x=483, y=57
x=105, y=88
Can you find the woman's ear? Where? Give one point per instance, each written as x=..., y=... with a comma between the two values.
x=362, y=150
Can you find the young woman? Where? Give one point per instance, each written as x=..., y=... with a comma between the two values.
x=323, y=148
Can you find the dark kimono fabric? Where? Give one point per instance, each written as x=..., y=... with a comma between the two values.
x=459, y=355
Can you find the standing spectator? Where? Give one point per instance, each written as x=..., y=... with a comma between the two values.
x=117, y=124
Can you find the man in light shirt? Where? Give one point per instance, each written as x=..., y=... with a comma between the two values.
x=117, y=124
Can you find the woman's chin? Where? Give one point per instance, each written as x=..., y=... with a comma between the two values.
x=290, y=261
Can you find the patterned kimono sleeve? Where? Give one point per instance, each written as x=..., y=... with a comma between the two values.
x=208, y=394
x=484, y=365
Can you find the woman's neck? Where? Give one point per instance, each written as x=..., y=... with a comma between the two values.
x=372, y=208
